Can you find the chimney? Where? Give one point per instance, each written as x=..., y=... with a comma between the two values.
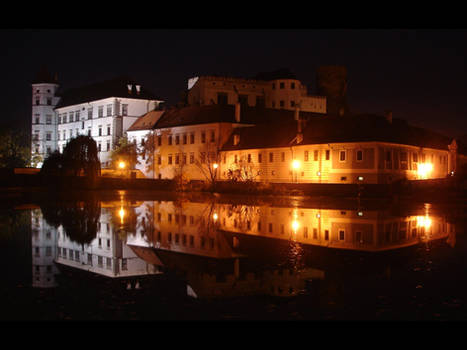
x=130, y=87
x=237, y=112
x=138, y=89
x=388, y=116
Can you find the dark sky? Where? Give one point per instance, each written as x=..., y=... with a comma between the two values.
x=418, y=74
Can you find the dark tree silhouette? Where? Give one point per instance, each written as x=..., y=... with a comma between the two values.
x=79, y=158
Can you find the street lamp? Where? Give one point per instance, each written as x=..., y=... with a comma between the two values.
x=121, y=165
x=296, y=166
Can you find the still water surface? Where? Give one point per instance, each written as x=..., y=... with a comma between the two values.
x=134, y=256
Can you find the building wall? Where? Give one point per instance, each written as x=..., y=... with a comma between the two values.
x=43, y=123
x=183, y=155
x=105, y=128
x=367, y=162
x=278, y=94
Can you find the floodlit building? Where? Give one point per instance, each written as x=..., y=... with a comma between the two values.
x=352, y=149
x=103, y=110
x=278, y=90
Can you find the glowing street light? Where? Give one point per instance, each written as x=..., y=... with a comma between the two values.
x=215, y=216
x=215, y=165
x=296, y=164
x=424, y=169
x=121, y=165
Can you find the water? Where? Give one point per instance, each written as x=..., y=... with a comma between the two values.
x=157, y=256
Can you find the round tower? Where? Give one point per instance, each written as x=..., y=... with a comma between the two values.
x=43, y=122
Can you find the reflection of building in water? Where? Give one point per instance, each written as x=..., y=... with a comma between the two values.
x=185, y=238
x=44, y=244
x=367, y=230
x=105, y=255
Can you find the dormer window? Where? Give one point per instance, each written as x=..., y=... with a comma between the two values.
x=236, y=139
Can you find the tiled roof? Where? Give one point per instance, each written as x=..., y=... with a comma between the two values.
x=146, y=122
x=111, y=88
x=361, y=128
x=222, y=114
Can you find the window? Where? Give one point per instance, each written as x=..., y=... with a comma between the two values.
x=328, y=154
x=359, y=155
x=192, y=138
x=124, y=264
x=260, y=158
x=305, y=157
x=90, y=113
x=49, y=101
x=315, y=233
x=159, y=160
x=342, y=156
x=326, y=235
x=169, y=139
x=292, y=103
x=159, y=140
x=108, y=129
x=48, y=136
x=222, y=98
x=100, y=130
x=203, y=157
x=72, y=117
x=124, y=109
x=192, y=157
x=243, y=99
x=341, y=235
x=249, y=158
x=281, y=85
x=109, y=110
x=37, y=101
x=170, y=159
x=177, y=159
x=64, y=118
x=292, y=86
x=203, y=137
x=108, y=146
x=100, y=112
x=48, y=119
x=283, y=156
x=184, y=139
x=271, y=157
x=316, y=154
x=177, y=139
x=281, y=103
x=77, y=116
x=89, y=132
x=415, y=157
x=213, y=136
x=99, y=147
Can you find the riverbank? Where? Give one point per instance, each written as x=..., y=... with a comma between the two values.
x=12, y=185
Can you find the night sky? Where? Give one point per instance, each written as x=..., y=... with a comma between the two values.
x=418, y=74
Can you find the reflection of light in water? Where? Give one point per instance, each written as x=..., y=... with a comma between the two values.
x=121, y=213
x=424, y=221
x=295, y=226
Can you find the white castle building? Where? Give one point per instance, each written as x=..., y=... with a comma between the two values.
x=102, y=110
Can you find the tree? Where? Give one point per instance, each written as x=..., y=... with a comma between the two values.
x=242, y=170
x=208, y=161
x=13, y=152
x=125, y=151
x=79, y=157
x=148, y=150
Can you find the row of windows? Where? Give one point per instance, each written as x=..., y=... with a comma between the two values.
x=100, y=132
x=187, y=240
x=75, y=255
x=70, y=117
x=184, y=139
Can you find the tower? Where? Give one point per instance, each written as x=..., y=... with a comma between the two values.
x=43, y=123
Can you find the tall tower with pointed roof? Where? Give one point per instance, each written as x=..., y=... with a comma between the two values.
x=43, y=123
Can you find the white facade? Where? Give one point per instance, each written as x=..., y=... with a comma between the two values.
x=43, y=124
x=105, y=120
